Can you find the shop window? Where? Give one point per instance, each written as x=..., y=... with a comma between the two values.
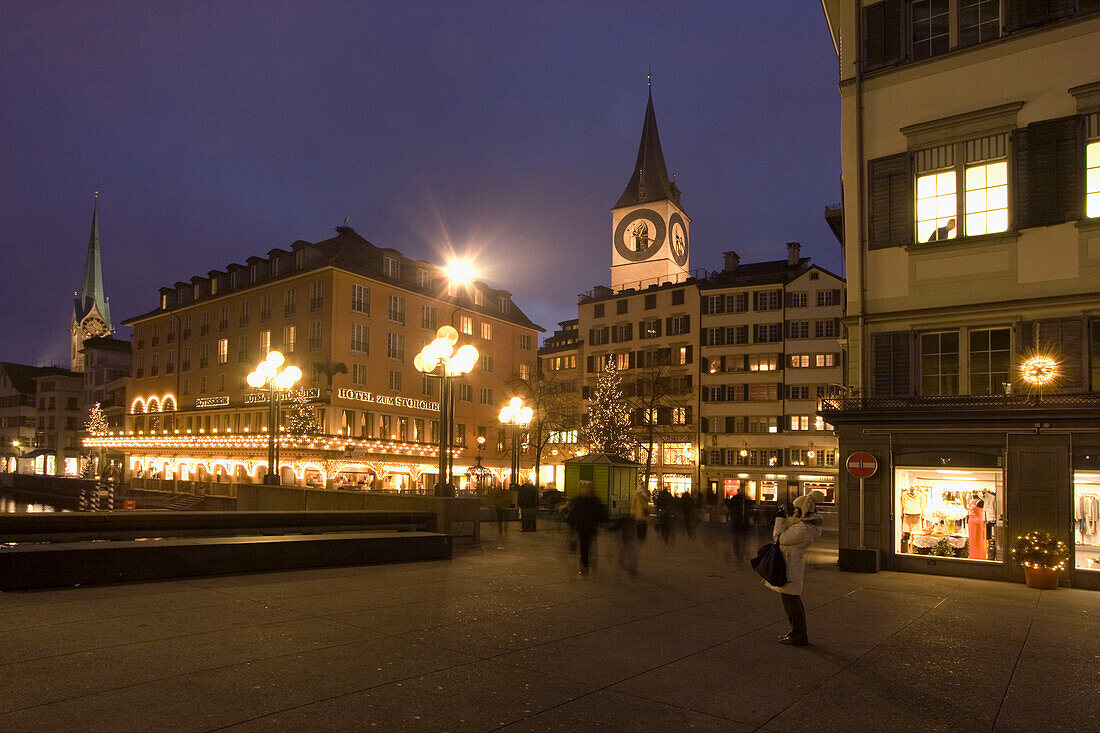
x=989, y=360
x=939, y=364
x=956, y=513
x=1086, y=520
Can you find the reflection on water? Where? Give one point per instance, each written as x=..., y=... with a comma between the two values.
x=10, y=505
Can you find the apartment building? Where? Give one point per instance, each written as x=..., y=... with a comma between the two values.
x=971, y=174
x=770, y=335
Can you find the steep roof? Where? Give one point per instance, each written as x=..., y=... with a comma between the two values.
x=22, y=376
x=649, y=181
x=91, y=290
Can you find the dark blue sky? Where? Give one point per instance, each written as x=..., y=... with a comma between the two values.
x=216, y=131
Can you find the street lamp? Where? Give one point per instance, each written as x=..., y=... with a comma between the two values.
x=441, y=355
x=267, y=376
x=515, y=414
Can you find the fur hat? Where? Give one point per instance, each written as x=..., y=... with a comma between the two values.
x=808, y=504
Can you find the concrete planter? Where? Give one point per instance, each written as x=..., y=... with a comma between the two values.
x=1041, y=578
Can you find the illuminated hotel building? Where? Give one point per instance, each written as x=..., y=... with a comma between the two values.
x=351, y=316
x=970, y=148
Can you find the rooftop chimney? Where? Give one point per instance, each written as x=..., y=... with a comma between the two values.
x=793, y=253
x=732, y=260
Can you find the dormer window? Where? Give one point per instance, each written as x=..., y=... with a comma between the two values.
x=392, y=267
x=274, y=267
x=197, y=292
x=234, y=279
x=479, y=297
x=298, y=259
x=213, y=286
x=503, y=305
x=253, y=273
x=164, y=301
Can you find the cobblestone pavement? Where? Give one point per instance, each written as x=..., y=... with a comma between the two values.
x=510, y=637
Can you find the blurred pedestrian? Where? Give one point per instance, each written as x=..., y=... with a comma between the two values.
x=498, y=499
x=662, y=502
x=687, y=508
x=633, y=528
x=794, y=535
x=739, y=517
x=527, y=499
x=586, y=512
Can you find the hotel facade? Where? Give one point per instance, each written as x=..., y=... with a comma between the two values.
x=351, y=316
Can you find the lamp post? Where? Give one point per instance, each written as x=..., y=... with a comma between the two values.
x=267, y=376
x=515, y=414
x=478, y=467
x=440, y=355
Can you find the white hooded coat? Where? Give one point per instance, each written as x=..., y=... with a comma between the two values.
x=794, y=535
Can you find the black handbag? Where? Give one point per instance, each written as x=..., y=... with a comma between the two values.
x=770, y=565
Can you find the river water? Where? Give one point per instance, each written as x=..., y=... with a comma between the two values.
x=12, y=504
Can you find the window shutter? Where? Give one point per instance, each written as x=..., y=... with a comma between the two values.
x=891, y=363
x=1064, y=339
x=590, y=364
x=689, y=348
x=689, y=413
x=1020, y=14
x=668, y=325
x=591, y=335
x=890, y=198
x=704, y=427
x=630, y=360
x=1024, y=347
x=883, y=37
x=1048, y=157
x=836, y=296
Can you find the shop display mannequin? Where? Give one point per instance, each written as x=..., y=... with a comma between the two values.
x=912, y=509
x=976, y=527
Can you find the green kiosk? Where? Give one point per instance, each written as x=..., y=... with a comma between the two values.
x=614, y=479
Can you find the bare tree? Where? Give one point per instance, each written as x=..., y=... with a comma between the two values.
x=661, y=402
x=554, y=409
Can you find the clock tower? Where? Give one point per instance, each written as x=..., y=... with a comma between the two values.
x=91, y=311
x=649, y=229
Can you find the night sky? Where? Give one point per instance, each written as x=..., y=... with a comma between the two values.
x=507, y=130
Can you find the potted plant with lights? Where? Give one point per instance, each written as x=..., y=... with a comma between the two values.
x=1043, y=558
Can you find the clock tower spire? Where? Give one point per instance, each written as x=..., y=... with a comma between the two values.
x=91, y=311
x=649, y=227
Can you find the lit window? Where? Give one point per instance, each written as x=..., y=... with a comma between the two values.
x=487, y=331
x=986, y=198
x=223, y=351
x=936, y=207
x=265, y=342
x=1092, y=180
x=466, y=324
x=288, y=339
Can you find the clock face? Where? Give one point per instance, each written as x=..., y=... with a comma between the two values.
x=678, y=239
x=94, y=326
x=639, y=235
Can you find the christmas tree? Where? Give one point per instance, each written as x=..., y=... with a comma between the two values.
x=97, y=421
x=608, y=426
x=300, y=420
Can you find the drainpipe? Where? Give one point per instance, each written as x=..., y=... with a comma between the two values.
x=861, y=241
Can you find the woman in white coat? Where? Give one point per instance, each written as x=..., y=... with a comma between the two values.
x=794, y=535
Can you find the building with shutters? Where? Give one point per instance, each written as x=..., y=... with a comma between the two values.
x=351, y=316
x=770, y=349
x=971, y=223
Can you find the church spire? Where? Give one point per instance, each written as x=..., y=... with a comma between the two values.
x=650, y=181
x=91, y=292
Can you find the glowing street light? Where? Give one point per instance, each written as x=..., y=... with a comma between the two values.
x=515, y=414
x=441, y=355
x=267, y=376
x=460, y=272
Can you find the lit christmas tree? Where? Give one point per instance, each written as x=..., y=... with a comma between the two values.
x=608, y=426
x=301, y=420
x=97, y=421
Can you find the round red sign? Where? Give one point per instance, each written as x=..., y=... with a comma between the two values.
x=862, y=465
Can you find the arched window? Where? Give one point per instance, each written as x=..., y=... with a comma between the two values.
x=137, y=407
x=168, y=404
x=153, y=405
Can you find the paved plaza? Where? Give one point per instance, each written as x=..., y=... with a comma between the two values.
x=510, y=637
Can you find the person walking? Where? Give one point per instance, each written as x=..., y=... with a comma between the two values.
x=687, y=507
x=527, y=499
x=740, y=522
x=794, y=535
x=498, y=498
x=586, y=512
x=633, y=527
x=639, y=509
x=662, y=502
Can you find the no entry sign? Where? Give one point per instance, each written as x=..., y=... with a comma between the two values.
x=862, y=465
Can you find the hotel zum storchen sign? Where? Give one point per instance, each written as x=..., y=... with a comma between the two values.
x=391, y=400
